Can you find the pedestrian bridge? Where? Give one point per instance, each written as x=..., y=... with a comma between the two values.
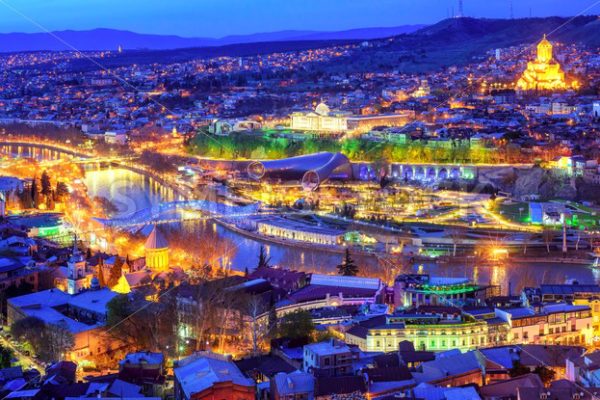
x=177, y=211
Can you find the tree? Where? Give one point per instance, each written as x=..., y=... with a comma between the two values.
x=546, y=374
x=24, y=328
x=35, y=193
x=457, y=234
x=297, y=326
x=46, y=184
x=49, y=341
x=272, y=320
x=6, y=356
x=115, y=272
x=548, y=235
x=100, y=272
x=62, y=190
x=254, y=309
x=518, y=369
x=58, y=340
x=347, y=267
x=50, y=204
x=263, y=259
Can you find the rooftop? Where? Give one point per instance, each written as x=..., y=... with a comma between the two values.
x=156, y=240
x=201, y=371
x=293, y=383
x=327, y=348
x=44, y=304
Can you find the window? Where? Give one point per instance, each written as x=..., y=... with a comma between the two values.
x=525, y=335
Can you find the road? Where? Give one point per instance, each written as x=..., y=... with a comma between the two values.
x=26, y=361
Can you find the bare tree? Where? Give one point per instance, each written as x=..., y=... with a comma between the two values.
x=457, y=233
x=257, y=316
x=58, y=341
x=548, y=235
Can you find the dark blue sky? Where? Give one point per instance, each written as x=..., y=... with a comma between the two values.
x=216, y=18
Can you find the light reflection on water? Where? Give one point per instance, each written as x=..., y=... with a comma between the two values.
x=131, y=191
x=35, y=153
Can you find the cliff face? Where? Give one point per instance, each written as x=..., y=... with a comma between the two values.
x=544, y=183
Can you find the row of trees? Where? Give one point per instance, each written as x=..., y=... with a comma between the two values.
x=49, y=341
x=42, y=191
x=266, y=147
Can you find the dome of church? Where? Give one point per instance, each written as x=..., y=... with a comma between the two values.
x=322, y=109
x=156, y=240
x=95, y=283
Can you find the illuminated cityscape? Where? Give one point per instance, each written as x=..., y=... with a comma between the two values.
x=327, y=211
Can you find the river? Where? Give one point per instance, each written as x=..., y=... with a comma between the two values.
x=131, y=191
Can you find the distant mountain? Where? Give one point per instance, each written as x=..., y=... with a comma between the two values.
x=457, y=41
x=506, y=32
x=110, y=39
x=361, y=34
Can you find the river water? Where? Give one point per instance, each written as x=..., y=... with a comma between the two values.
x=130, y=192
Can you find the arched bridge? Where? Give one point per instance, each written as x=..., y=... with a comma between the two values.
x=175, y=212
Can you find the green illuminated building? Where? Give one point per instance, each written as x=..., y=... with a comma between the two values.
x=414, y=290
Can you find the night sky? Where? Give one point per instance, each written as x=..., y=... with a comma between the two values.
x=217, y=18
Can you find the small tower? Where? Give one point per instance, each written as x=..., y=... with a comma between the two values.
x=2, y=205
x=461, y=12
x=157, y=251
x=76, y=270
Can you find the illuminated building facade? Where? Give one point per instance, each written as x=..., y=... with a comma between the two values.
x=414, y=290
x=83, y=315
x=560, y=323
x=327, y=121
x=321, y=120
x=288, y=229
x=576, y=294
x=543, y=73
x=431, y=328
x=423, y=90
x=157, y=251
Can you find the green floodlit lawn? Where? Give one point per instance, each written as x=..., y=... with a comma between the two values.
x=581, y=219
x=512, y=213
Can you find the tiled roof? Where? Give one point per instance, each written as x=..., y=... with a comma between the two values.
x=156, y=240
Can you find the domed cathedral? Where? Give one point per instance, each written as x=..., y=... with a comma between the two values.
x=543, y=73
x=157, y=251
